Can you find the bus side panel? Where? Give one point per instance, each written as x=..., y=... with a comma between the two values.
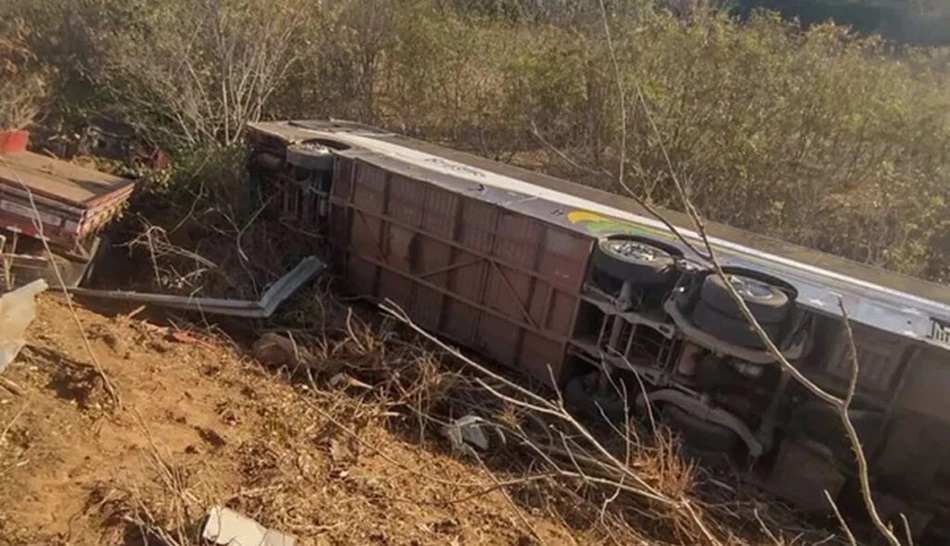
x=487, y=277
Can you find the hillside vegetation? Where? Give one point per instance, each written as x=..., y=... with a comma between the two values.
x=820, y=137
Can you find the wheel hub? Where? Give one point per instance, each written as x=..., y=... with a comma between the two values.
x=635, y=250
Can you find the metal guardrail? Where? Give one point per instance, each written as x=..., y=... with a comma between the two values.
x=278, y=292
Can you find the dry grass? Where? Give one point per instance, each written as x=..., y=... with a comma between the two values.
x=326, y=429
x=620, y=478
x=620, y=485
x=200, y=426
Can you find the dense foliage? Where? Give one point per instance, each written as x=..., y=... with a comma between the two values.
x=819, y=137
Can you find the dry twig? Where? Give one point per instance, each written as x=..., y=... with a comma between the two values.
x=16, y=417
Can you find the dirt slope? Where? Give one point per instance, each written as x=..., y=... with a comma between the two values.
x=198, y=424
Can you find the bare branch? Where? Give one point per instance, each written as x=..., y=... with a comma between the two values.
x=621, y=180
x=841, y=521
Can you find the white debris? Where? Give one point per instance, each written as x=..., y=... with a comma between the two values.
x=342, y=380
x=17, y=311
x=468, y=432
x=227, y=527
x=338, y=380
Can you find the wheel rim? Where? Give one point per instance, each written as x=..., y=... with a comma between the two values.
x=751, y=288
x=635, y=250
x=311, y=147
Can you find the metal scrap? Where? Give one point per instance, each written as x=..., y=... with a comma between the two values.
x=17, y=311
x=468, y=433
x=278, y=292
x=227, y=527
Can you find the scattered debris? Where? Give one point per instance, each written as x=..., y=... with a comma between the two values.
x=343, y=380
x=11, y=386
x=227, y=527
x=279, y=351
x=17, y=311
x=214, y=439
x=189, y=338
x=468, y=432
x=278, y=292
x=338, y=379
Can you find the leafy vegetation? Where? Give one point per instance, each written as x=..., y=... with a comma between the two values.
x=818, y=136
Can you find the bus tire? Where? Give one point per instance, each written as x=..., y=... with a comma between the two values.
x=736, y=331
x=768, y=304
x=311, y=157
x=635, y=259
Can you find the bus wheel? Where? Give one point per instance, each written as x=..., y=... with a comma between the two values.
x=717, y=313
x=737, y=331
x=767, y=302
x=635, y=259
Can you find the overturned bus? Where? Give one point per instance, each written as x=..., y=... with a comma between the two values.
x=582, y=289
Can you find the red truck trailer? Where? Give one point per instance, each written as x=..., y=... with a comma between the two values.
x=580, y=289
x=67, y=205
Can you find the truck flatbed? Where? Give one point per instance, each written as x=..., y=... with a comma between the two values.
x=63, y=203
x=60, y=180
